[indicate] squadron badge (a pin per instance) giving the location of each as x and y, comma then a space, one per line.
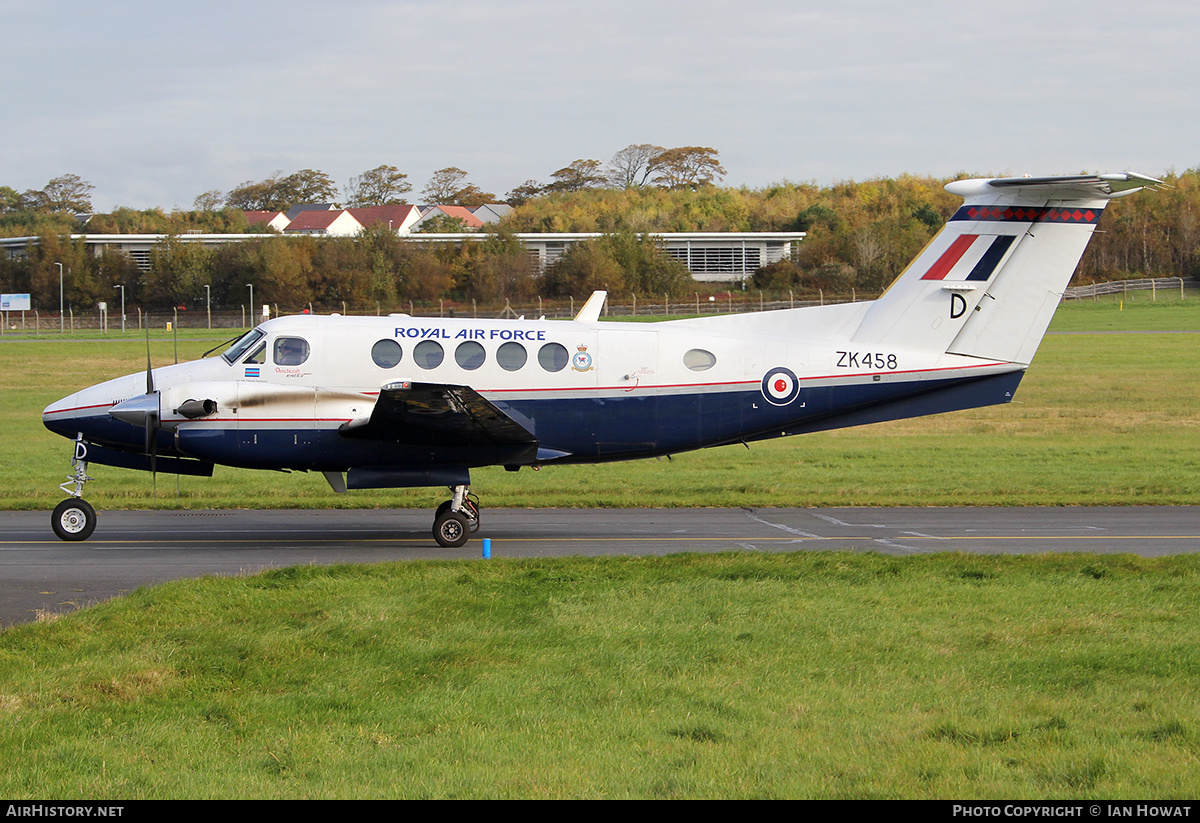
581, 361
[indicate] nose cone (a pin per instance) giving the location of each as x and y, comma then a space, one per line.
68, 415
87, 411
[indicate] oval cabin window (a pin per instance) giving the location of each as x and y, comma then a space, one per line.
511, 356
428, 354
553, 357
699, 360
469, 355
387, 354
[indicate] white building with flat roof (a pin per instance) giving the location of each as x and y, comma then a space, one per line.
710, 256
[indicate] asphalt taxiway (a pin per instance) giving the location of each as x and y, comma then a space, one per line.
39, 573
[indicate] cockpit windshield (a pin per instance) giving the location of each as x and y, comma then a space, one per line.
243, 343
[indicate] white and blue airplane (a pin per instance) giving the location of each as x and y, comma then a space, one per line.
399, 401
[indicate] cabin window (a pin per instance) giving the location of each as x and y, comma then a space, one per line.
242, 345
258, 355
511, 356
387, 354
553, 357
699, 360
290, 351
428, 354
469, 355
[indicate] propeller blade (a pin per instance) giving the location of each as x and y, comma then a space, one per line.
149, 369
152, 435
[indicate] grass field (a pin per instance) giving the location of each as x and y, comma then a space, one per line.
1099, 419
805, 675
813, 675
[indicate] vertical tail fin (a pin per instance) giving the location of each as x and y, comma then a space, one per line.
987, 285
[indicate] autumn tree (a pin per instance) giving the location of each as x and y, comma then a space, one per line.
279, 192
496, 268
631, 165
525, 192
448, 187
178, 271
380, 186
38, 274
210, 200
65, 193
622, 263
582, 174
686, 167
10, 200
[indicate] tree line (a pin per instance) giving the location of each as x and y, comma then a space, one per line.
377, 270
860, 235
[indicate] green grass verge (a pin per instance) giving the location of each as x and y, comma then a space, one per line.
812, 675
1099, 419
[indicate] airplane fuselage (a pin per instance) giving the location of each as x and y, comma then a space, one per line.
588, 392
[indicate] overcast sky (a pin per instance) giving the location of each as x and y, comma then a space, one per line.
156, 102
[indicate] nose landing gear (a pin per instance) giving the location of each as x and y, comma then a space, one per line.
74, 518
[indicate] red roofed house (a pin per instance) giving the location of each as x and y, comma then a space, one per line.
398, 218
331, 223
276, 220
470, 222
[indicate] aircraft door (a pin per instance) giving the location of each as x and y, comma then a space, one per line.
627, 366
277, 414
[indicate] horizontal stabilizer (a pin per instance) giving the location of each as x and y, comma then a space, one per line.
1071, 187
987, 285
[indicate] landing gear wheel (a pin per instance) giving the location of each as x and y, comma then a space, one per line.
451, 529
73, 519
470, 509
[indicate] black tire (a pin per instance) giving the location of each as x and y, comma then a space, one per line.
73, 519
470, 509
451, 530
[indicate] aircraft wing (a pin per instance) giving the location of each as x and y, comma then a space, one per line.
438, 413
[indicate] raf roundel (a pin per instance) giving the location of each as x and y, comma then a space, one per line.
780, 386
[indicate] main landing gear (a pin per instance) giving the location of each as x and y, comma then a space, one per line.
74, 518
456, 519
